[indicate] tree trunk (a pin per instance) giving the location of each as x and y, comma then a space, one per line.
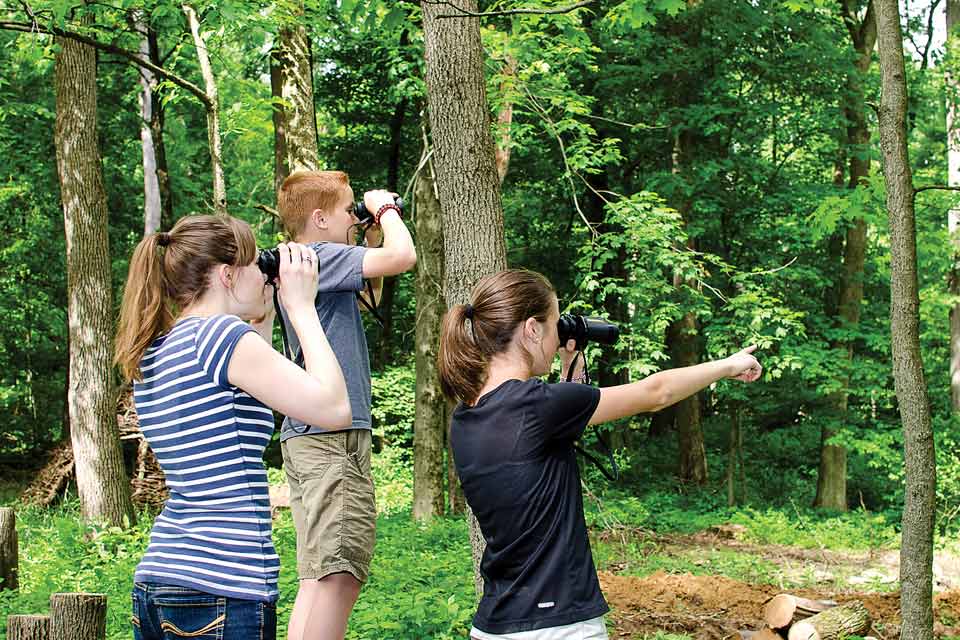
9, 550
101, 478
152, 209
28, 627
78, 616
832, 475
159, 148
953, 216
280, 168
296, 73
430, 423
683, 334
916, 549
213, 114
505, 120
467, 183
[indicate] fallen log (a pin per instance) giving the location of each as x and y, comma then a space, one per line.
766, 633
785, 609
849, 619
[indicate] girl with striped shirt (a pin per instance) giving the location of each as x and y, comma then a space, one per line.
205, 381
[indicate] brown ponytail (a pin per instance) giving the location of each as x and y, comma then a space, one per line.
170, 271
472, 334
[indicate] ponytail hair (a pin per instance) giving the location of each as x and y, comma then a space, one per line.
169, 272
473, 333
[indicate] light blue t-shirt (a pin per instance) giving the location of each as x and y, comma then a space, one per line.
341, 277
213, 534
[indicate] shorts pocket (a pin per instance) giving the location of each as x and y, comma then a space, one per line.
199, 617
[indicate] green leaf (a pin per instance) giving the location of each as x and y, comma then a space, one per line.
394, 19
671, 7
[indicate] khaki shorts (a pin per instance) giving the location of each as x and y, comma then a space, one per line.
332, 501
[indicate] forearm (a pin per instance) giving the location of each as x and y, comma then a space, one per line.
396, 237
678, 384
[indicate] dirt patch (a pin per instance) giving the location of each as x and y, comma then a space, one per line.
713, 607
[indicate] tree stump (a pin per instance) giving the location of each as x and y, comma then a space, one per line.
839, 622
28, 627
785, 609
9, 554
78, 616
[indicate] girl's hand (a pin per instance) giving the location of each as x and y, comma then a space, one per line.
299, 276
743, 366
567, 354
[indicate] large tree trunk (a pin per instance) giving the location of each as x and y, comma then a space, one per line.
101, 479
213, 113
467, 182
916, 550
430, 423
296, 75
953, 216
832, 476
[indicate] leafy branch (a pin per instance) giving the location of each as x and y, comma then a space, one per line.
463, 13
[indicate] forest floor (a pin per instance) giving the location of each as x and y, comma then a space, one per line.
712, 607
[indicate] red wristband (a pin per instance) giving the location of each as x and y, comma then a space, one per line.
383, 209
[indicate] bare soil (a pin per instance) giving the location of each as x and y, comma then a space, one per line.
714, 607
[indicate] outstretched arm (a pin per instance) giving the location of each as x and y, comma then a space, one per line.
665, 388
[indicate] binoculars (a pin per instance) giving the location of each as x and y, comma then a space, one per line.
585, 329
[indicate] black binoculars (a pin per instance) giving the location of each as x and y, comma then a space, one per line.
585, 329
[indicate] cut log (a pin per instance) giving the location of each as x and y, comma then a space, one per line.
765, 633
785, 609
850, 619
9, 553
28, 627
78, 616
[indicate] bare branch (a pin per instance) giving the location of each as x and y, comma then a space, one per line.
109, 48
463, 13
937, 187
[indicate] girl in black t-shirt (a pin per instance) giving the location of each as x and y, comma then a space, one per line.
512, 437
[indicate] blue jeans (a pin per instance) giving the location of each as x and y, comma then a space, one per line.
167, 612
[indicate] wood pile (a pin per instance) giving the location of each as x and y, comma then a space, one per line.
147, 483
790, 617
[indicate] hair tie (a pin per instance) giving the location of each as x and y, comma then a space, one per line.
468, 310
163, 238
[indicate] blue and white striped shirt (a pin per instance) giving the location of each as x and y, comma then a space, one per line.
213, 534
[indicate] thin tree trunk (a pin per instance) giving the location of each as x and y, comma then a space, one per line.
916, 550
953, 216
280, 168
101, 478
159, 148
213, 114
505, 120
467, 182
152, 210
430, 423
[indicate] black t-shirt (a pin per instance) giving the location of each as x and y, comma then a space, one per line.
514, 454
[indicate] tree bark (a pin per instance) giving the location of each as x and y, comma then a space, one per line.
832, 475
280, 168
159, 148
953, 216
430, 423
837, 623
9, 550
467, 182
78, 616
296, 73
213, 114
28, 627
152, 209
916, 550
101, 478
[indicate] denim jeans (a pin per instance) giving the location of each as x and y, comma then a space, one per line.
167, 612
